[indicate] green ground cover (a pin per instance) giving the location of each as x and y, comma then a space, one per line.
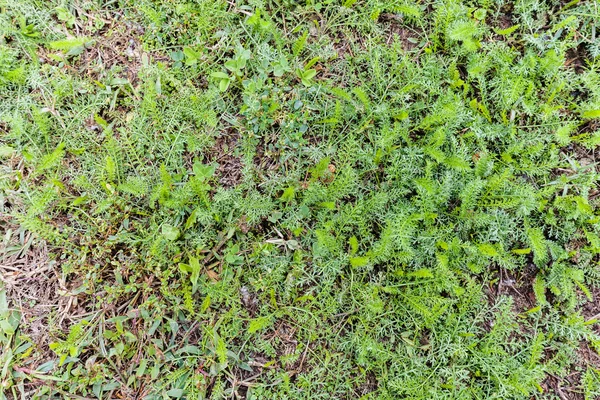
278, 199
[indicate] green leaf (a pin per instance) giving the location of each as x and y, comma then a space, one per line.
191, 56
462, 30
63, 14
563, 134
232, 65
189, 349
537, 241
312, 62
205, 304
258, 324
539, 289
141, 369
224, 85
465, 32
353, 241
118, 82
52, 159
421, 273
220, 75
358, 262
299, 44
281, 67
309, 73
591, 114
221, 350
507, 31
480, 14
110, 168
306, 76
488, 249
30, 31
3, 304
288, 194
585, 290
170, 232
194, 264
176, 393
409, 10
521, 251
575, 274
191, 220
457, 163
177, 55
202, 171
72, 47
185, 268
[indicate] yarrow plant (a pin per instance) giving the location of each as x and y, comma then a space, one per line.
299, 200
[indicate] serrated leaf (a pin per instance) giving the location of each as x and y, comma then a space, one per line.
521, 251
258, 324
299, 44
462, 30
110, 168
288, 194
410, 10
507, 31
353, 241
488, 249
52, 159
358, 262
221, 350
205, 304
539, 289
537, 241
421, 273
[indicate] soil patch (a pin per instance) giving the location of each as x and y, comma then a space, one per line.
230, 165
32, 286
395, 30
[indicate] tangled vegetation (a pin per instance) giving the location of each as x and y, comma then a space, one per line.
280, 199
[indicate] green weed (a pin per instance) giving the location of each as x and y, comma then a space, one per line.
303, 200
